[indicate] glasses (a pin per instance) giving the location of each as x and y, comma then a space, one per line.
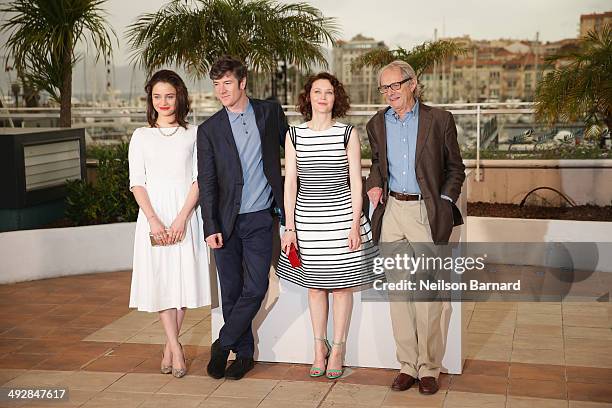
395, 86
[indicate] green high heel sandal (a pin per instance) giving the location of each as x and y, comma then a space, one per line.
318, 371
333, 373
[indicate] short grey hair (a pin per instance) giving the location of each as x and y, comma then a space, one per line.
407, 72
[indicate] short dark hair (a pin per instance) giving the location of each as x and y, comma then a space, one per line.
226, 64
182, 96
341, 98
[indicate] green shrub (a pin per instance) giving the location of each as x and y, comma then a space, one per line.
366, 151
109, 199
582, 151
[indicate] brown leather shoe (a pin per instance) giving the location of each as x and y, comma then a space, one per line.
428, 385
402, 382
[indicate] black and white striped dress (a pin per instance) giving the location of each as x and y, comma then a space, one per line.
323, 214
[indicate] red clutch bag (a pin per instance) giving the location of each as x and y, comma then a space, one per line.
293, 256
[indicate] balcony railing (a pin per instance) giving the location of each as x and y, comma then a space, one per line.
485, 130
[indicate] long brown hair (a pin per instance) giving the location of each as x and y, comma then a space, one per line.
182, 97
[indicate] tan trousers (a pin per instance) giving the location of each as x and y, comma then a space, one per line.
416, 325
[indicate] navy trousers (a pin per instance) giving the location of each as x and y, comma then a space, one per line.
243, 265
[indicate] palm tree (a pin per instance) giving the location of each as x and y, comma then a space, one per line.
580, 87
260, 32
43, 35
421, 57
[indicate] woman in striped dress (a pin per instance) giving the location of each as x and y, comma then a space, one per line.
324, 218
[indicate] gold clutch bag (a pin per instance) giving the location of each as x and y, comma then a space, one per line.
155, 242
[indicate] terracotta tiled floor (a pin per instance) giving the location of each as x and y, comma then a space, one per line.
77, 332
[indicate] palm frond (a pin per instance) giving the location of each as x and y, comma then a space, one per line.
421, 57
41, 33
377, 58
260, 32
174, 34
580, 86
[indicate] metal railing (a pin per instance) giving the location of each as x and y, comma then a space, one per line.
482, 127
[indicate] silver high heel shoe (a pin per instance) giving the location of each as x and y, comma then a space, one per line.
180, 372
165, 369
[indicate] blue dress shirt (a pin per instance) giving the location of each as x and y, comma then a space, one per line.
401, 150
256, 192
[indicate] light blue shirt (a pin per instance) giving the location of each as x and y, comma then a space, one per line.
401, 150
256, 192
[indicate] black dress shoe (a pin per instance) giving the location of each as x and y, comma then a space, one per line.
218, 360
239, 368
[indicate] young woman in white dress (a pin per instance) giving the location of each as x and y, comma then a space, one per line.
170, 270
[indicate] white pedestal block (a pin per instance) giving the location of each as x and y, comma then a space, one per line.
283, 332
